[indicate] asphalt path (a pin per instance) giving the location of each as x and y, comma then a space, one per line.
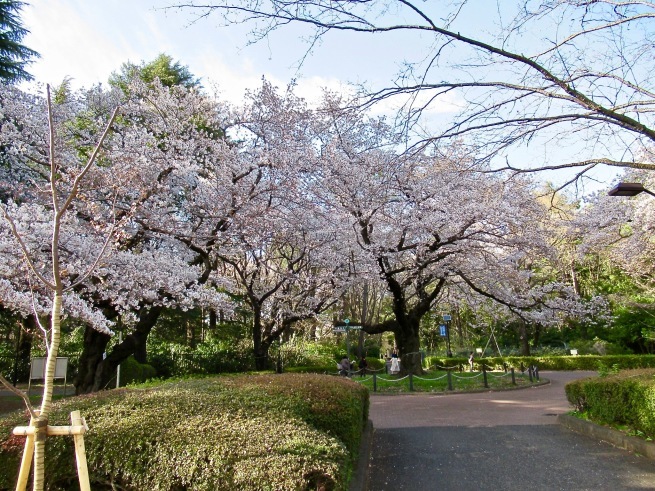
499, 441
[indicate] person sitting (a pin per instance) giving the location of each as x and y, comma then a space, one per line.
345, 367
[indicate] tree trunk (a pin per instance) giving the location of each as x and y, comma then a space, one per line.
25, 337
409, 347
41, 422
191, 334
523, 337
262, 356
95, 344
260, 348
94, 372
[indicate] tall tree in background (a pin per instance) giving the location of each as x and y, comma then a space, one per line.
170, 73
14, 56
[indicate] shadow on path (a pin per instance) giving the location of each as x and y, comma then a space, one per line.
494, 441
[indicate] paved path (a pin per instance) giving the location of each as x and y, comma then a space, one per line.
499, 441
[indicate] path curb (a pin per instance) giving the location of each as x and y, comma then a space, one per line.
359, 481
609, 435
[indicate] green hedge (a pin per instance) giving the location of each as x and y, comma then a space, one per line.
626, 398
582, 362
133, 372
249, 432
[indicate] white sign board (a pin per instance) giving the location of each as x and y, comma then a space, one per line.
37, 369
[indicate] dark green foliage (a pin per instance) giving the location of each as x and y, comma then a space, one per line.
626, 398
585, 362
283, 432
14, 56
169, 73
176, 360
133, 372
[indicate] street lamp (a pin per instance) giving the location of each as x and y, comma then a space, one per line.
629, 189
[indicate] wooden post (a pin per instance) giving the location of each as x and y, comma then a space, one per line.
80, 453
76, 430
26, 464
450, 380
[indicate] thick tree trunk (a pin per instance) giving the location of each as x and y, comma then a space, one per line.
95, 344
94, 372
262, 360
409, 347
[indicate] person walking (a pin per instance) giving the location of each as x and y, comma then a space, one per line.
363, 364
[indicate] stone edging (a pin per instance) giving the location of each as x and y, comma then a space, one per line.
609, 435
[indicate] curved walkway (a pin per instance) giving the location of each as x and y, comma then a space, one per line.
505, 441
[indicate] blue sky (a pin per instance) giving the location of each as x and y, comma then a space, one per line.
88, 39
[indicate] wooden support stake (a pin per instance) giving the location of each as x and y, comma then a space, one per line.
76, 430
26, 463
80, 452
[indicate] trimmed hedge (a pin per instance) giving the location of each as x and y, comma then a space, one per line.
582, 362
249, 432
626, 398
133, 372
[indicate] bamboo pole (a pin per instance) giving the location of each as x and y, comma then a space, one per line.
76, 430
26, 464
80, 453
51, 430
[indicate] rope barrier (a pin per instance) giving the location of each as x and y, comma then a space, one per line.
392, 380
499, 376
438, 367
468, 378
430, 379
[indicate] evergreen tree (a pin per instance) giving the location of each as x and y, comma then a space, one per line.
170, 73
14, 56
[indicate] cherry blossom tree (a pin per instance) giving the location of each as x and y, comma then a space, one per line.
151, 155
427, 222
27, 227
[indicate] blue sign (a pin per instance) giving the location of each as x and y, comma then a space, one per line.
446, 317
442, 330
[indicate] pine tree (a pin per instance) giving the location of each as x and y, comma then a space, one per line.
14, 56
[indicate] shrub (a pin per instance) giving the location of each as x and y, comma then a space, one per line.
583, 362
177, 360
625, 398
283, 432
133, 372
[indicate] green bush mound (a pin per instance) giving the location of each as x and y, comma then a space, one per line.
246, 432
626, 398
582, 362
133, 372
331, 366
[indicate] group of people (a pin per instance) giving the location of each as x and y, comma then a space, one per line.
347, 367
